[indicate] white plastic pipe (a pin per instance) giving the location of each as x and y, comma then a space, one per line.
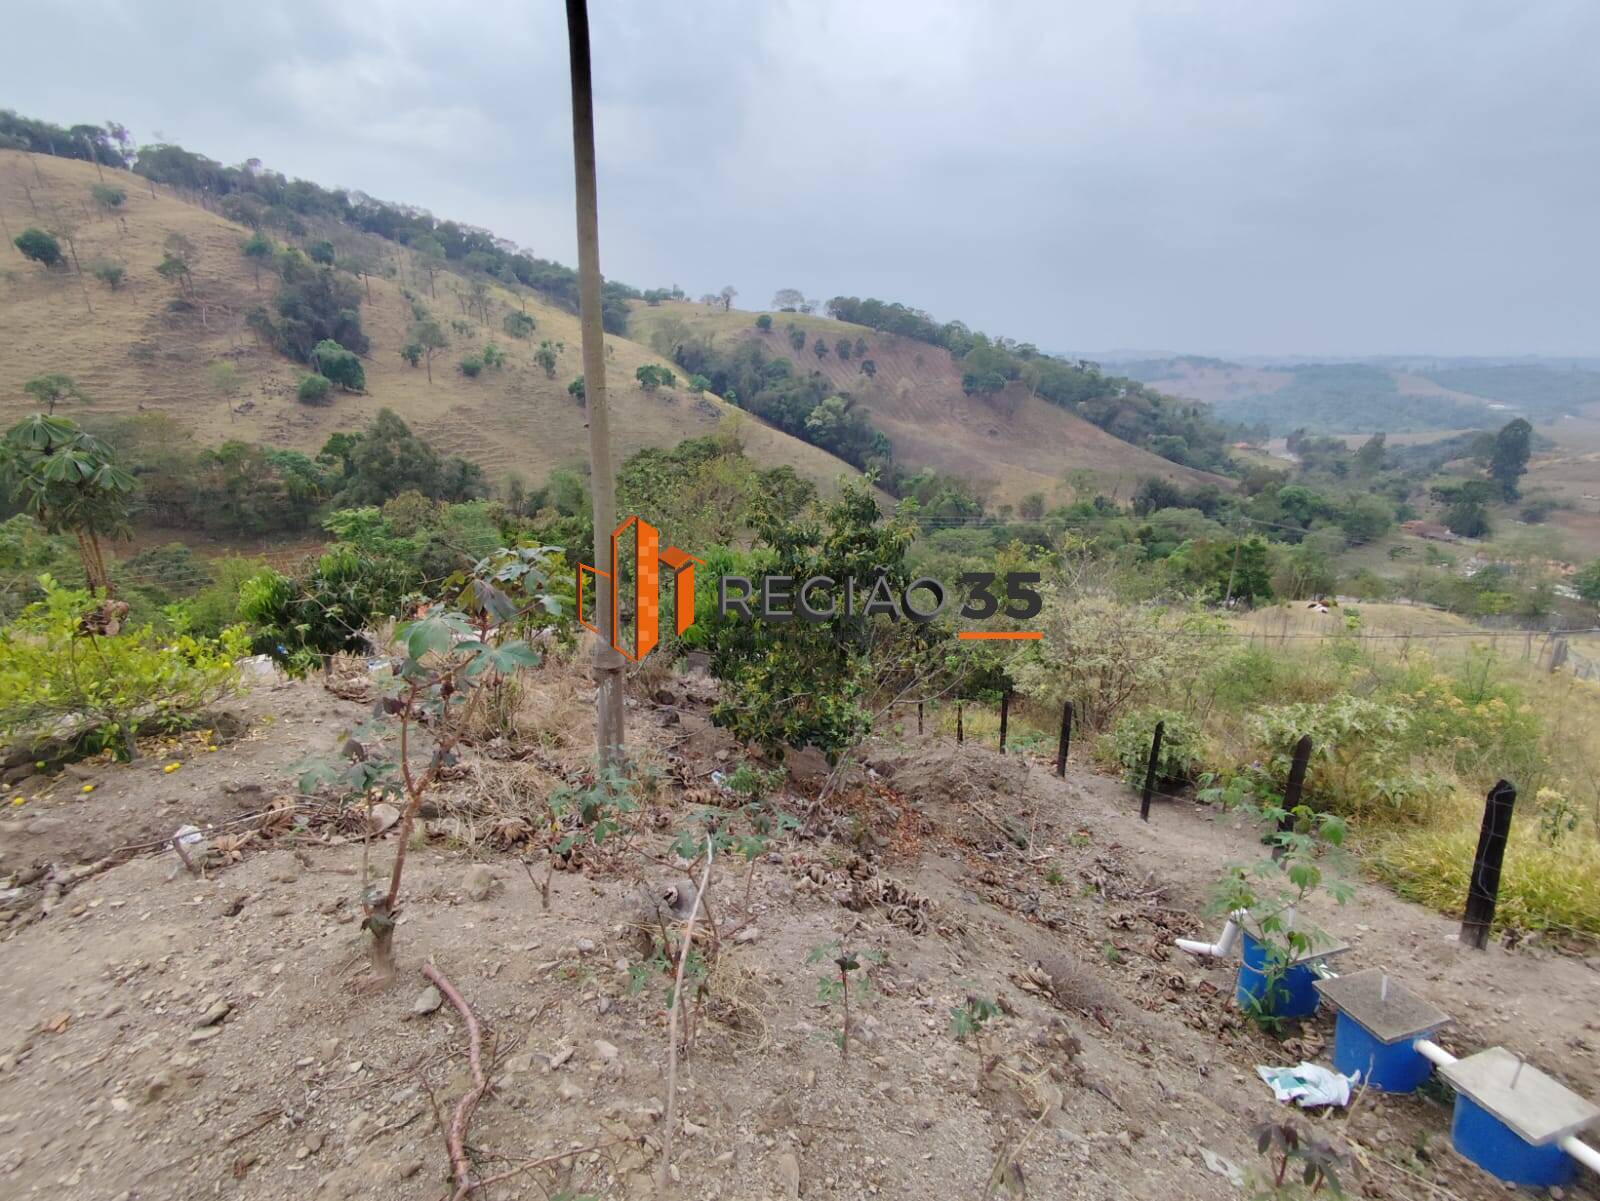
1581, 1151
1432, 1052
1230, 935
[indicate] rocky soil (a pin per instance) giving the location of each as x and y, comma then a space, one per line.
179, 1036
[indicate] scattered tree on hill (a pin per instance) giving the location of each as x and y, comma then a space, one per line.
321, 252
39, 246
868, 368
1031, 506
545, 357
315, 304
314, 389
764, 323
492, 356
1509, 462
797, 337
387, 459
109, 273
70, 483
177, 263
429, 256
861, 347
339, 366
471, 366
427, 339
517, 324
726, 296
258, 249
1466, 513
107, 197
698, 384
819, 348
788, 299
842, 349
51, 390
576, 390
651, 377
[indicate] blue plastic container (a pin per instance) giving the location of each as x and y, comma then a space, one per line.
1392, 1067
1502, 1152
1295, 995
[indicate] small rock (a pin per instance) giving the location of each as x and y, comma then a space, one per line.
479, 882
605, 1052
586, 946
570, 1091
428, 1001
204, 1033
748, 934
121, 1104
789, 1174
560, 1057
157, 1085
382, 817
214, 1009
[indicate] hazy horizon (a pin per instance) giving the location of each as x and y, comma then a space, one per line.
1293, 182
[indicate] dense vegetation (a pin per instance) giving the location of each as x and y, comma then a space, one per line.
1182, 431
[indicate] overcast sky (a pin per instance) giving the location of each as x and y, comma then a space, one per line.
1329, 178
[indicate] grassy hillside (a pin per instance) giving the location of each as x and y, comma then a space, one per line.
1013, 443
133, 353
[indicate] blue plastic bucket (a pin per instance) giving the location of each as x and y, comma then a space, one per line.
1392, 1067
1294, 995
1502, 1152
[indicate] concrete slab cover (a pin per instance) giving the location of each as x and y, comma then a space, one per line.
1540, 1110
1402, 1015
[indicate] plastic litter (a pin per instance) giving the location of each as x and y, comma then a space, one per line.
1309, 1084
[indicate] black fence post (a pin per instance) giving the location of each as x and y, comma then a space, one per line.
1484, 889
959, 733
919, 719
1066, 739
1292, 790
1150, 772
1005, 713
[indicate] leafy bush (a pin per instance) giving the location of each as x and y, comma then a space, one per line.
1183, 747
104, 687
39, 246
314, 389
517, 324
110, 274
471, 366
324, 609
1361, 755
764, 322
339, 366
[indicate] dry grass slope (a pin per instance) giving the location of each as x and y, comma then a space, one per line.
1016, 443
133, 354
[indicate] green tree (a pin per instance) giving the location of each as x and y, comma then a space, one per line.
651, 377
70, 483
764, 323
576, 390
339, 366
1369, 458
429, 338
109, 273
321, 252
258, 248
313, 389
179, 256
429, 256
51, 390
1587, 582
39, 246
1509, 462
545, 357
517, 324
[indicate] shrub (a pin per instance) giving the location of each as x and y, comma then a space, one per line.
517, 324
339, 366
102, 688
471, 366
1183, 747
764, 322
110, 274
39, 246
576, 390
326, 608
314, 389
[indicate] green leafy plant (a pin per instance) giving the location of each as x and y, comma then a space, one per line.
1183, 747
747, 829
313, 389
39, 246
451, 660
517, 324
1273, 890
832, 988
70, 666
1283, 1144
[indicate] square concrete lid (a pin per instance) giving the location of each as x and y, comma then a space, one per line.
1401, 1015
1323, 945
1539, 1109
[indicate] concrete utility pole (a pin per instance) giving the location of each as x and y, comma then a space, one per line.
608, 663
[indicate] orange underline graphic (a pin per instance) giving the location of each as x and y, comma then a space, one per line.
1008, 635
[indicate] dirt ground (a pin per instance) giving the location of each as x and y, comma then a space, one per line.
173, 1036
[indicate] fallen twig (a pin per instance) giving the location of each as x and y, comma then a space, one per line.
456, 1135
672, 1021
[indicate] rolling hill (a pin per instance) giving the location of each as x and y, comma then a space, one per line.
135, 353
1012, 444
